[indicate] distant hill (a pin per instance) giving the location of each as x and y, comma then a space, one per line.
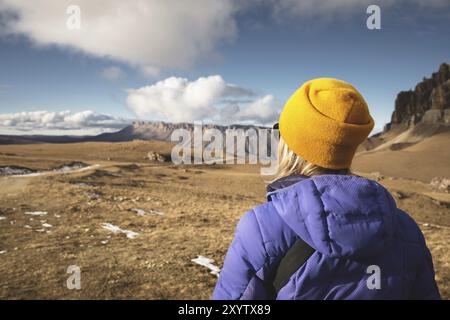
159, 131
32, 139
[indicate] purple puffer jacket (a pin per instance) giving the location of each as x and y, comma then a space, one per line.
352, 222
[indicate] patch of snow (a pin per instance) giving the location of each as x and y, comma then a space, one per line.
104, 242
82, 184
139, 212
46, 225
142, 213
40, 230
27, 226
10, 171
64, 169
75, 166
116, 229
36, 213
208, 263
430, 225
2, 218
156, 212
3, 251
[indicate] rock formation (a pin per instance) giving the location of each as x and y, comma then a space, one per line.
428, 103
154, 156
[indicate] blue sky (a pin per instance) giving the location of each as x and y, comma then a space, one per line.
261, 52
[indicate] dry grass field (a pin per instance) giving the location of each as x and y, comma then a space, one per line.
178, 213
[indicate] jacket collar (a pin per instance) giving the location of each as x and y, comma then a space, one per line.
282, 183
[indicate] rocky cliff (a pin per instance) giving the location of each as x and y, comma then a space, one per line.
428, 103
161, 131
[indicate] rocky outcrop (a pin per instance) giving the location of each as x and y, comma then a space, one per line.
428, 103
162, 131
154, 156
440, 184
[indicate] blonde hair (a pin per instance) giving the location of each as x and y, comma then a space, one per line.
289, 163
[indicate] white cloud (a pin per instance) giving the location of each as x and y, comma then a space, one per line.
153, 35
264, 110
63, 120
149, 34
112, 73
180, 100
177, 99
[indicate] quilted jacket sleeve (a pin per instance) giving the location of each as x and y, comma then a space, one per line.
246, 256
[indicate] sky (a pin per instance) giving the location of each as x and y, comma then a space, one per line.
84, 67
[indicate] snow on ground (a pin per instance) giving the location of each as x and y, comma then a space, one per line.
116, 229
36, 213
141, 212
29, 173
8, 171
208, 263
2, 218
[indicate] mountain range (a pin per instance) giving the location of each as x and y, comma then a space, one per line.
418, 114
139, 130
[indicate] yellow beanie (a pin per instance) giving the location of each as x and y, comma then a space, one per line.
324, 121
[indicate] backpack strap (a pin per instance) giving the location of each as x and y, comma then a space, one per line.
295, 257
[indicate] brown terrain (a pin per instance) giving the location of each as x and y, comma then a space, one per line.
410, 156
52, 216
190, 211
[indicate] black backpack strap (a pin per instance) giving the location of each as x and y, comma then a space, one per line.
295, 257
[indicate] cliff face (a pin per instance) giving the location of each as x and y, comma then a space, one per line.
428, 103
162, 131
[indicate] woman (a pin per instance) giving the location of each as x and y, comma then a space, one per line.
325, 233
